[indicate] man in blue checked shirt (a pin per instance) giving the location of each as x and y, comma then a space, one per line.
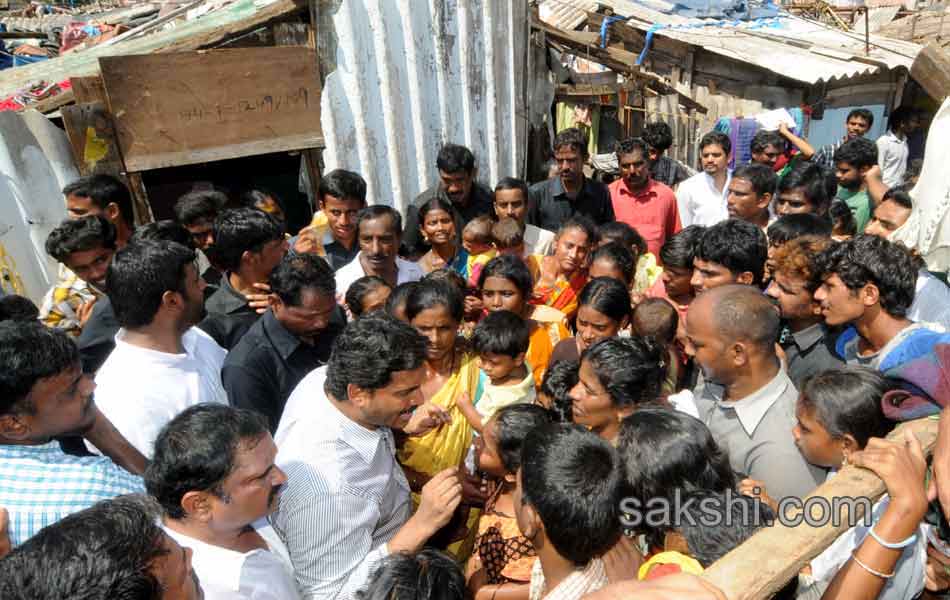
44, 394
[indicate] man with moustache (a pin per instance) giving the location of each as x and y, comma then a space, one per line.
291, 339
702, 198
213, 474
161, 364
642, 203
347, 504
85, 247
747, 399
378, 230
807, 342
555, 200
457, 185
332, 234
44, 394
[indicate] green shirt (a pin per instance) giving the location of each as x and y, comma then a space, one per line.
860, 205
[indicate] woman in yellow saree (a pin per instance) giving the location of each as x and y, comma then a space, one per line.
435, 309
505, 284
560, 278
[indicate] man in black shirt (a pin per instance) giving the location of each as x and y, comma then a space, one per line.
288, 341
457, 185
248, 244
555, 200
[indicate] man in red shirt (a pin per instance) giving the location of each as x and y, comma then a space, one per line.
646, 205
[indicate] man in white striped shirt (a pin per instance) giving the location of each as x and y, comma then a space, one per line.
347, 505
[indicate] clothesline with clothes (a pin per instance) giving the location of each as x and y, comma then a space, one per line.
741, 130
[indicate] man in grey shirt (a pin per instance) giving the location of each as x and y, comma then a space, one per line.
747, 400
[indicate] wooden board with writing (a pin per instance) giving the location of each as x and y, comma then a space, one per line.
193, 107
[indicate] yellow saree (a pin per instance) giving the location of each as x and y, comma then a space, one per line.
447, 446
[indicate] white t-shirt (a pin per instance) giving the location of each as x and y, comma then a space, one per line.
353, 270
141, 390
931, 301
699, 202
892, 153
229, 575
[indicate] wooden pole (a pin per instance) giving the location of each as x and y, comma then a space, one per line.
773, 556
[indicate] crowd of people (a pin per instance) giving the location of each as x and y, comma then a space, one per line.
479, 397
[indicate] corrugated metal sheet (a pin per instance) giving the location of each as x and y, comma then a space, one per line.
36, 163
795, 48
414, 74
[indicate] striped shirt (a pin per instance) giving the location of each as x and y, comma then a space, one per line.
346, 495
39, 485
576, 585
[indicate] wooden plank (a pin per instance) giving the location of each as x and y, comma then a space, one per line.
779, 552
931, 69
92, 138
291, 34
140, 204
88, 89
188, 108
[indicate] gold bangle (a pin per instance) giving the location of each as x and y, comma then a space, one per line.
854, 557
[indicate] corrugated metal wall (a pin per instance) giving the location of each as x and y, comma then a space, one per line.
411, 75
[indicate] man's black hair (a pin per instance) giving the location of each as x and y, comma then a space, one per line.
763, 139
359, 289
139, 276
103, 190
512, 183
630, 369
658, 135
18, 308
737, 245
843, 221
501, 332
107, 551
198, 450
431, 294
899, 116
376, 211
344, 185
718, 138
859, 153
713, 523
426, 575
869, 259
631, 145
241, 230
511, 268
847, 401
762, 178
622, 233
573, 138
898, 197
572, 479
298, 272
165, 230
455, 159
619, 255
30, 351
862, 113
512, 425
788, 227
199, 205
680, 249
369, 351
559, 379
79, 235
812, 178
